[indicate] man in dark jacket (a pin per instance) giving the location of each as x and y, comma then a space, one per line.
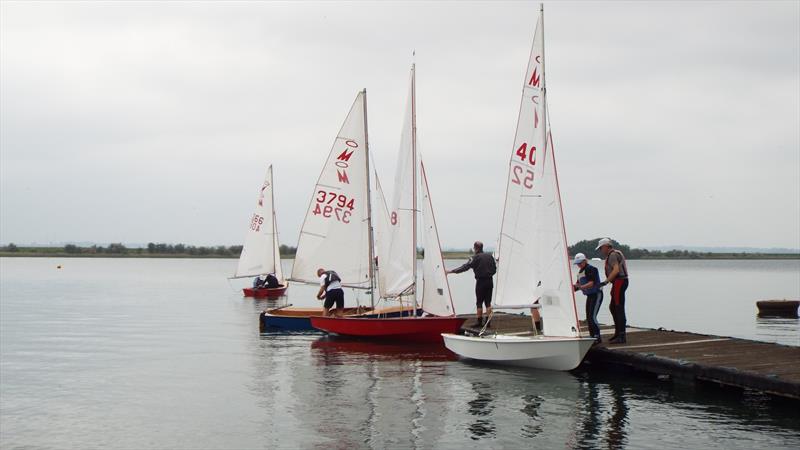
589, 284
484, 267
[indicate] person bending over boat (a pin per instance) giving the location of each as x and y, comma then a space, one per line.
484, 267
617, 276
330, 289
268, 281
589, 284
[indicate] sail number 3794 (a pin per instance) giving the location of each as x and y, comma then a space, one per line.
333, 205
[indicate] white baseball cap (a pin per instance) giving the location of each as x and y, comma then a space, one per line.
579, 258
604, 241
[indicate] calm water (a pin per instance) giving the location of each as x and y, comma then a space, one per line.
128, 353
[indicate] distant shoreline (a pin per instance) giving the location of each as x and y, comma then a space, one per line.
446, 255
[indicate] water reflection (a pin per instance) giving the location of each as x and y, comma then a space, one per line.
532, 404
588, 432
481, 407
615, 432
778, 329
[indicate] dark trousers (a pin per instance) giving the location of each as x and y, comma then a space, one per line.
617, 305
593, 302
483, 292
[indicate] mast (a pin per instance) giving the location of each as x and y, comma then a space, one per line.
369, 210
276, 257
414, 176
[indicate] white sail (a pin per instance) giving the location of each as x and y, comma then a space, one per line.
335, 234
276, 248
436, 298
533, 261
260, 254
380, 220
397, 270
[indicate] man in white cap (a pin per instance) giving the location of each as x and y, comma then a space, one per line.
617, 276
589, 284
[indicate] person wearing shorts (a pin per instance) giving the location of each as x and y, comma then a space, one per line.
330, 290
484, 267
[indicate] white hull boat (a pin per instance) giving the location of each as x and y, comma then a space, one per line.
537, 352
534, 270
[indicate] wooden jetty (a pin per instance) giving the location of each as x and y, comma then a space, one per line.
762, 366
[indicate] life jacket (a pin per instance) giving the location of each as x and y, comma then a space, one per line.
330, 277
623, 263
585, 279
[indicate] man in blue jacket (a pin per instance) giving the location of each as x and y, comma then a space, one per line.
589, 284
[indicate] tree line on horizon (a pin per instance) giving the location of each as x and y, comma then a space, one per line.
156, 249
587, 247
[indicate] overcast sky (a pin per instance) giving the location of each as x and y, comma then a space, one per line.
673, 123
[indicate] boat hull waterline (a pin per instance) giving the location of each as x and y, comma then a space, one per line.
299, 319
416, 329
265, 292
538, 352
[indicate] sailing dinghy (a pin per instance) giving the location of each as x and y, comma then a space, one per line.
397, 257
260, 252
337, 231
534, 268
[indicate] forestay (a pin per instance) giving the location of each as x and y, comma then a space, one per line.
260, 253
436, 298
533, 261
335, 234
397, 265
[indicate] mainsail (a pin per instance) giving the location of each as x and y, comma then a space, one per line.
397, 266
336, 231
436, 298
533, 261
260, 253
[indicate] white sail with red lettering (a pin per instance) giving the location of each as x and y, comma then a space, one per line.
436, 298
397, 265
260, 252
335, 234
534, 265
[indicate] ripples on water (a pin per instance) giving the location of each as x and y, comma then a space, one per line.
164, 354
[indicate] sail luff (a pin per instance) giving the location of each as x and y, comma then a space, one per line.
370, 231
414, 176
276, 248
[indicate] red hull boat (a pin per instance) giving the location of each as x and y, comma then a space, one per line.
408, 329
265, 292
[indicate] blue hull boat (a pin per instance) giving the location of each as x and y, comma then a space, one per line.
299, 319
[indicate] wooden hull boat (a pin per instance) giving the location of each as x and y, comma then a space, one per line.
299, 319
416, 329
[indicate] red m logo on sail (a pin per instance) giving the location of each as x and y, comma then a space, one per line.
535, 78
345, 156
342, 176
